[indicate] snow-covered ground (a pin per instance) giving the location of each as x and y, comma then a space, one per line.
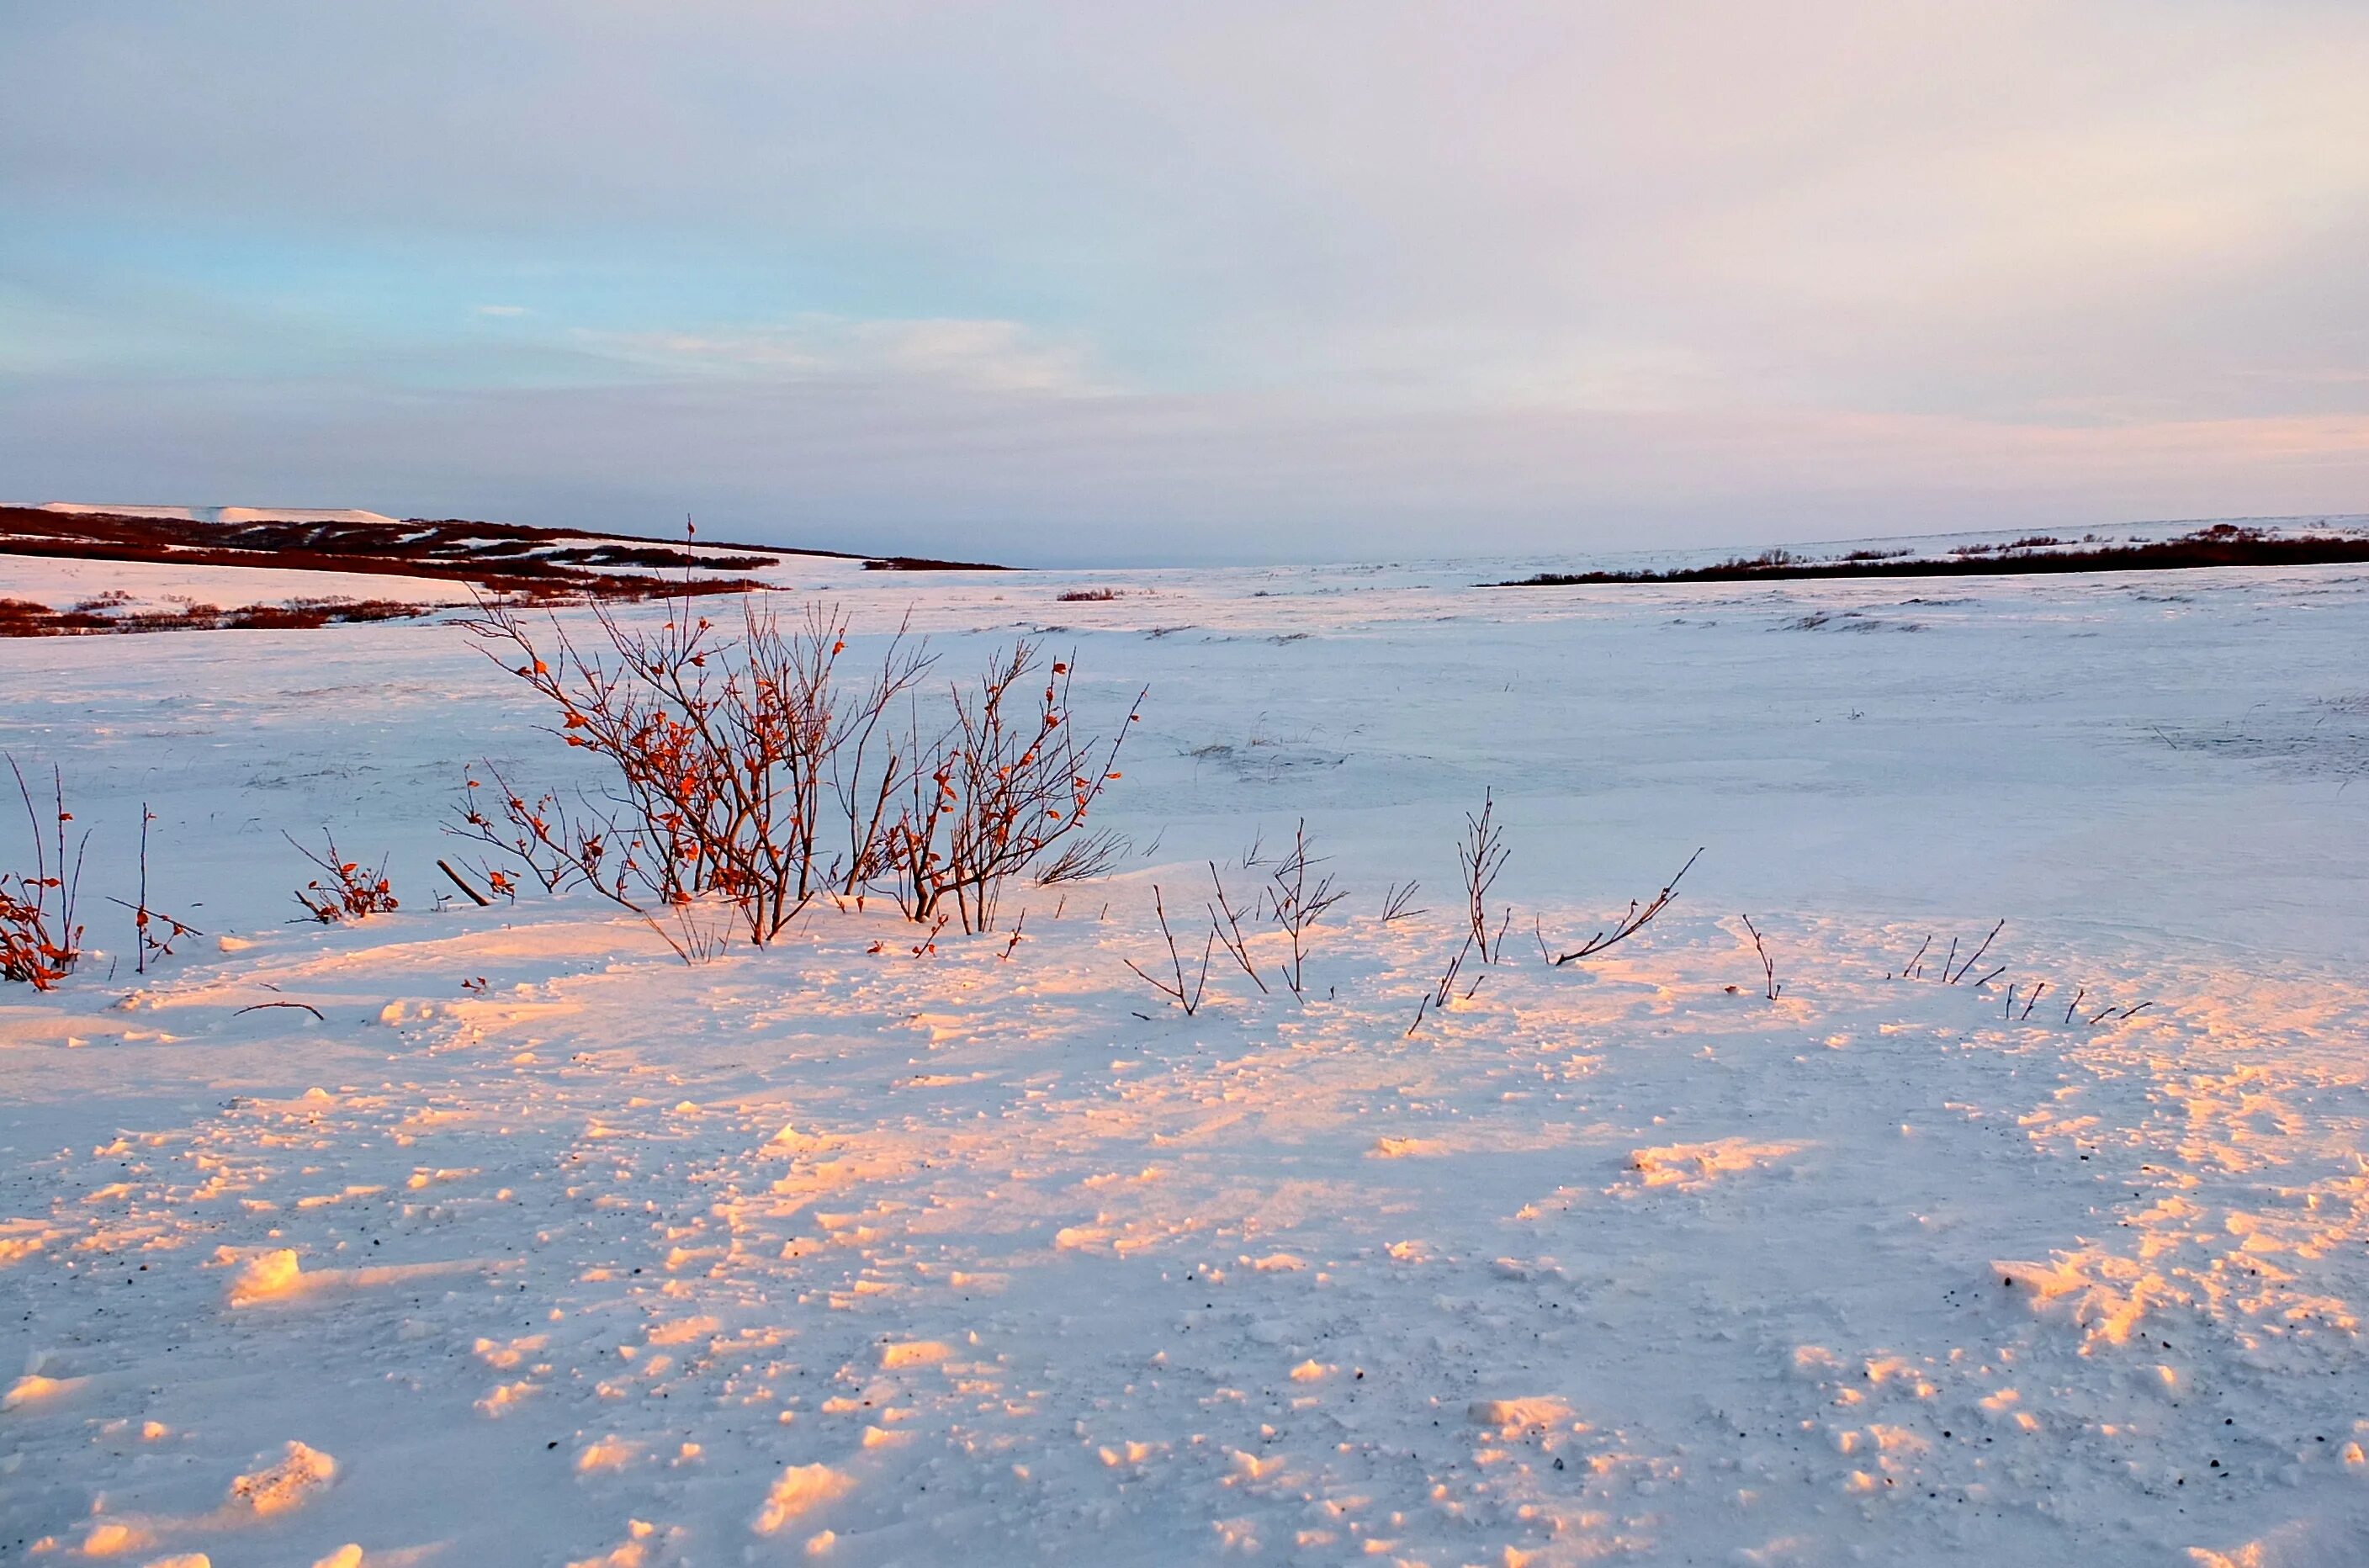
540, 1247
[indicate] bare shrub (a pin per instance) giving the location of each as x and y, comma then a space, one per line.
746, 770
1482, 854
1298, 904
1087, 595
40, 940
350, 892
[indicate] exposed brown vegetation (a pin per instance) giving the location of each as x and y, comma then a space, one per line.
24, 618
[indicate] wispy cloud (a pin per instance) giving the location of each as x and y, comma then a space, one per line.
502, 310
993, 355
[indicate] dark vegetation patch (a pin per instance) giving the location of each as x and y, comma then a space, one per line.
504, 558
924, 564
507, 559
2223, 544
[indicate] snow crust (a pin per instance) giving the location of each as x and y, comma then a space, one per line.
543, 1247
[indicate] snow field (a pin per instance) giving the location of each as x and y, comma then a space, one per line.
829, 1255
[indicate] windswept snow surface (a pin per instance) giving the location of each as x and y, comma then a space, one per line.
540, 1247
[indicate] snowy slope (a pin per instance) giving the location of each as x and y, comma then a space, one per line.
548, 1248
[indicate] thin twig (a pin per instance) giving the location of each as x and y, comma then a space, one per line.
261, 1005
1908, 970
1770, 988
1225, 921
127, 904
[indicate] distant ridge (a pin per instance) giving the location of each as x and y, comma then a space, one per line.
511, 558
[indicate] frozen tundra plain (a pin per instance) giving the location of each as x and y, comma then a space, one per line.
827, 1255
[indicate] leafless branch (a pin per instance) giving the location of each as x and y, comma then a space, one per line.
1225, 920
1639, 917
1396, 901
1188, 997
1770, 986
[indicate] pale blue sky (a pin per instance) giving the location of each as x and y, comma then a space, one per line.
1121, 283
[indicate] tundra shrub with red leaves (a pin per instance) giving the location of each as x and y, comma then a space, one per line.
40, 940
743, 765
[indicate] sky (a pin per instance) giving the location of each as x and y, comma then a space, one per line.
1126, 283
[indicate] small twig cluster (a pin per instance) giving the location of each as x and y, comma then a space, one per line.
1443, 990
1296, 898
1002, 785
1176, 988
1955, 971
2094, 1019
349, 892
1398, 902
